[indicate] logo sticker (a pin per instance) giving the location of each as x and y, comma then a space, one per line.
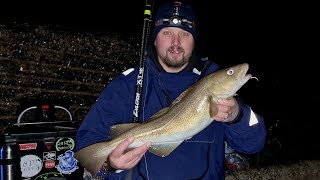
49, 164
50, 175
28, 146
30, 165
67, 163
49, 155
65, 144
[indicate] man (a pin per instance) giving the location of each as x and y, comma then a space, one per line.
172, 65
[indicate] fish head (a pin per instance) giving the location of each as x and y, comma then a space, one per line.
226, 82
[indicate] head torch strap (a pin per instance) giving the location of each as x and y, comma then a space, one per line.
177, 5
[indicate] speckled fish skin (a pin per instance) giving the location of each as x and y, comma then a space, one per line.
186, 116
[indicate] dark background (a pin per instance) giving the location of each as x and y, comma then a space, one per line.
272, 37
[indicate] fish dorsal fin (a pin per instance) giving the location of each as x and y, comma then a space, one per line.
159, 113
183, 94
118, 129
166, 109
164, 149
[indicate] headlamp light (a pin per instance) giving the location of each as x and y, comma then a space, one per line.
175, 20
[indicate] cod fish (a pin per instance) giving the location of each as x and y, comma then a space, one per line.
168, 128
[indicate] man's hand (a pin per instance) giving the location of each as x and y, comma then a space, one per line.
228, 110
122, 159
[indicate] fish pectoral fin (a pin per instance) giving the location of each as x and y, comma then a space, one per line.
164, 149
118, 129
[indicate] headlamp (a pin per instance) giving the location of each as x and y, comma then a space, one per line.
176, 21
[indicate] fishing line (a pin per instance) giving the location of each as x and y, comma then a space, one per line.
145, 161
174, 142
145, 96
144, 105
207, 142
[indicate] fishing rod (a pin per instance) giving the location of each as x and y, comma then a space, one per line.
145, 35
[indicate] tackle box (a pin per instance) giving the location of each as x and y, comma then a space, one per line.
41, 150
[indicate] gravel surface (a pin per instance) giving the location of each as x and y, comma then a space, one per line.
301, 170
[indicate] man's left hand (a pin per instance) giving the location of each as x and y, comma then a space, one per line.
228, 110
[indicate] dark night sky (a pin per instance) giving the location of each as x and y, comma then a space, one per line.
230, 32
267, 35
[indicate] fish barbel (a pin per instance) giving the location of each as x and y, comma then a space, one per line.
189, 114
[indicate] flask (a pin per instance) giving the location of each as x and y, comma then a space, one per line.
9, 160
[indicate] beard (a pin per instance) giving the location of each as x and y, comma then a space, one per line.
175, 62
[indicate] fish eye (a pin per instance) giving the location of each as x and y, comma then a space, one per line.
230, 72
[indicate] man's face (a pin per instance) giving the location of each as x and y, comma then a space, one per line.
174, 47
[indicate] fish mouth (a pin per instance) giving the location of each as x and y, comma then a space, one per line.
243, 76
245, 79
240, 83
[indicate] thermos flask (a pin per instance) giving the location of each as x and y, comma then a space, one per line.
9, 160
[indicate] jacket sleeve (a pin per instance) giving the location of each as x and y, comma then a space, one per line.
248, 135
113, 106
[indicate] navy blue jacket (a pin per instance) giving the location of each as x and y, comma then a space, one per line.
201, 157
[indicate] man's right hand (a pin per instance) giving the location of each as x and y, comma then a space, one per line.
122, 159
